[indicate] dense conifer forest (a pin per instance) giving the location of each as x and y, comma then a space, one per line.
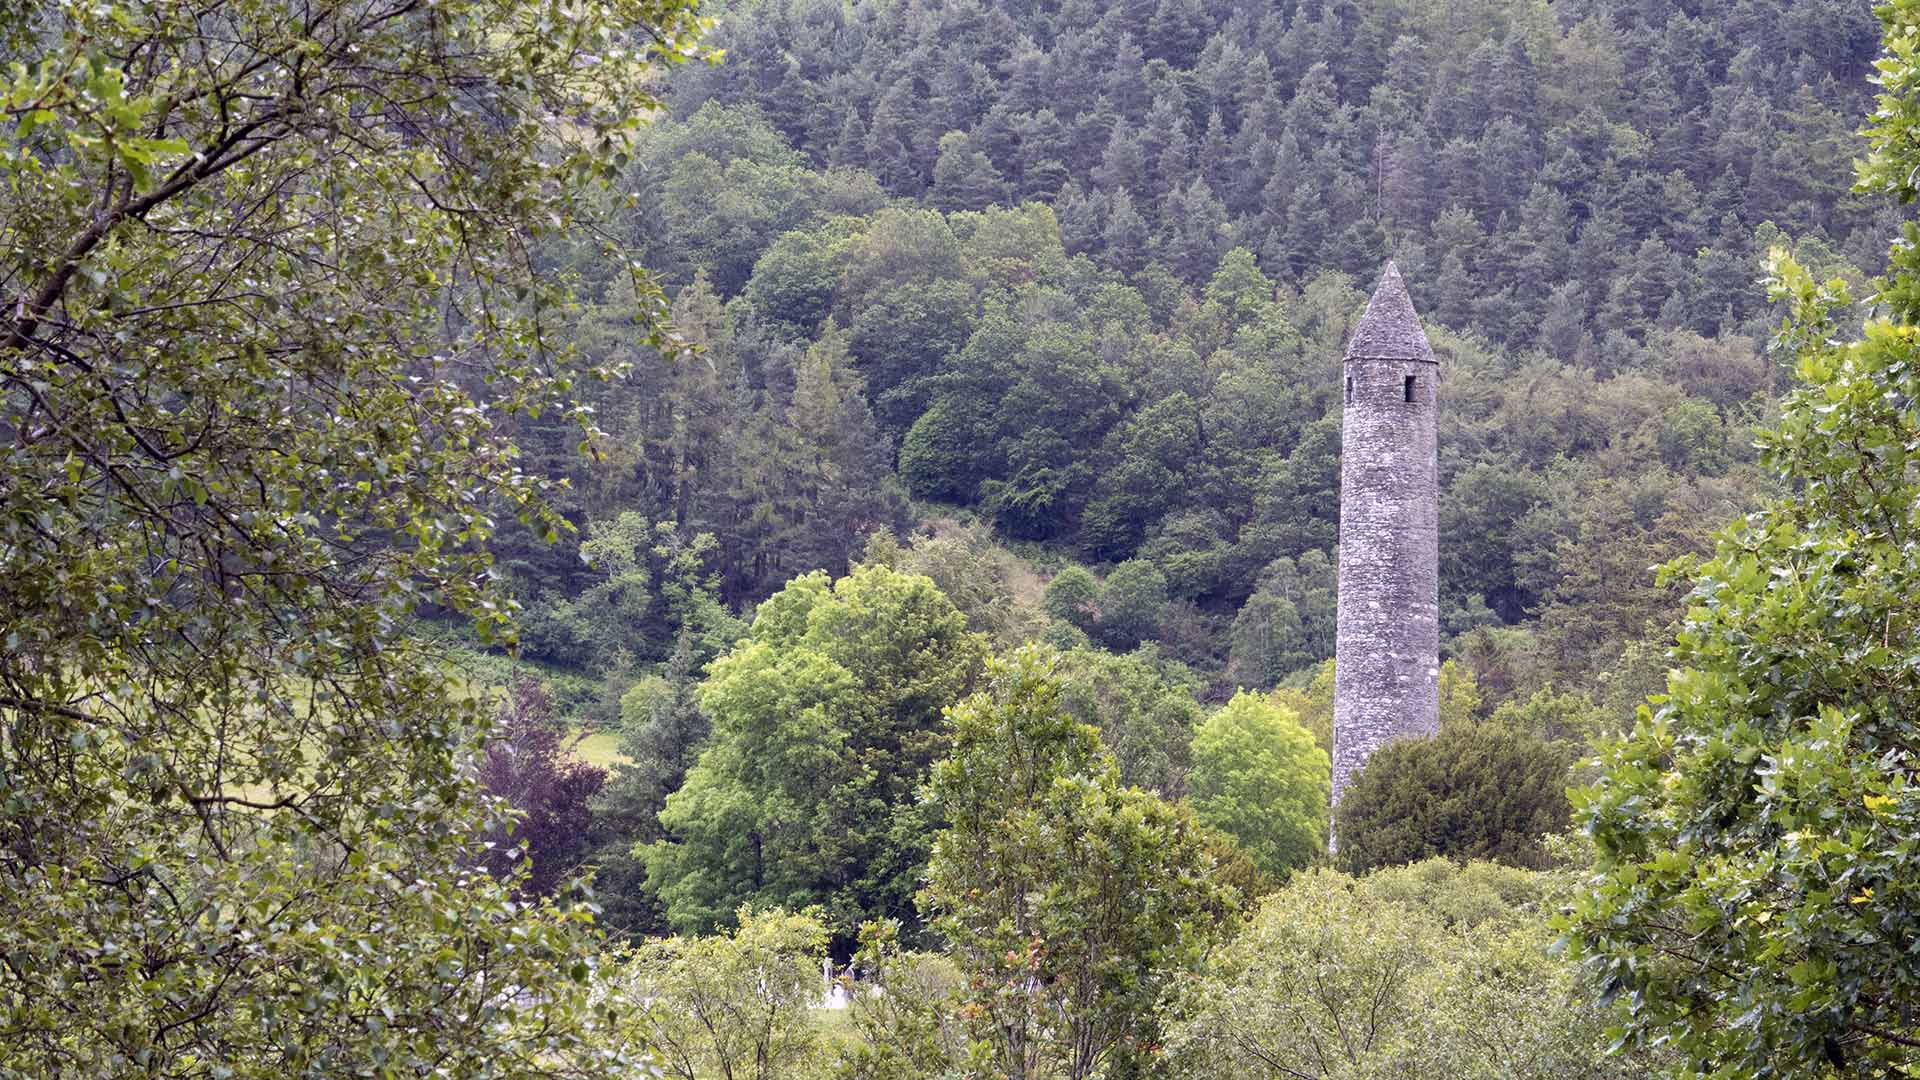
528, 529
1082, 275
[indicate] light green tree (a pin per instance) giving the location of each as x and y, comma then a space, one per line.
825, 718
1071, 904
1430, 970
267, 289
1310, 697
1757, 831
1569, 719
653, 590
736, 1005
1259, 777
1311, 988
906, 1012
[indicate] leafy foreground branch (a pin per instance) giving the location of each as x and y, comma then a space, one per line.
267, 297
1757, 832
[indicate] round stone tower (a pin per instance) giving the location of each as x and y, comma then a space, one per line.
1387, 678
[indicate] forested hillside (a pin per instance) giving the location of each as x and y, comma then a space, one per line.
1545, 173
1047, 302
1085, 272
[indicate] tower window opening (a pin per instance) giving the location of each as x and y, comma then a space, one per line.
1349, 388
1409, 388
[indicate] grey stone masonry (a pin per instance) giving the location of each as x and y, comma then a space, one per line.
1387, 678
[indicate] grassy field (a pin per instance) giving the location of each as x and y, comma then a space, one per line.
602, 748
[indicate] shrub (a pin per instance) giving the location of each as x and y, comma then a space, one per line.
1472, 792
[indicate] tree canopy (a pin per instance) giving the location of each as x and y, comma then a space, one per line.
826, 717
270, 299
1070, 903
1434, 969
1259, 777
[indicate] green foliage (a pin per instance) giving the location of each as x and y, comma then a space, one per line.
764, 445
1144, 708
1132, 602
1431, 970
661, 728
1131, 364
978, 575
937, 456
1605, 167
735, 1004
1470, 792
1071, 904
1259, 778
712, 194
1460, 701
826, 717
1754, 832
1137, 420
1288, 622
904, 1011
1070, 597
272, 305
963, 177
1309, 696
792, 284
836, 459
651, 586
1569, 720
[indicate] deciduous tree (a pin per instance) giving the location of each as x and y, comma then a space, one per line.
1259, 777
1435, 969
527, 763
269, 289
1070, 903
826, 717
736, 1005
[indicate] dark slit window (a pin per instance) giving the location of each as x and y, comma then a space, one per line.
1349, 388
1409, 388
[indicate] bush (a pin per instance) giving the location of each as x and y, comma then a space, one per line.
1432, 970
1472, 792
905, 1012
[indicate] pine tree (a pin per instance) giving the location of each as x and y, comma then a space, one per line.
964, 178
1196, 232
1123, 165
1125, 237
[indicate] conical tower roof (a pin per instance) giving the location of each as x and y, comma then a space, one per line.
1390, 330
